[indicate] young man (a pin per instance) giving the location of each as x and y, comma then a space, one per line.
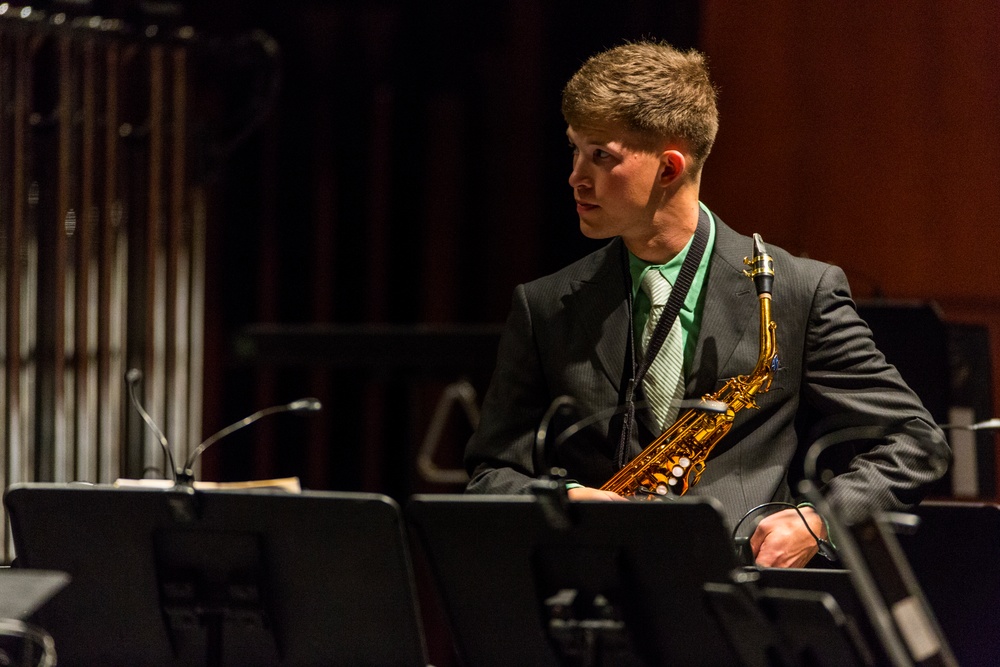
641, 121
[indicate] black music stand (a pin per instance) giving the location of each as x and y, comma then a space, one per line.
850, 620
24, 591
220, 577
529, 582
785, 627
953, 553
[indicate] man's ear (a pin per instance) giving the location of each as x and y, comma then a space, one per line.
673, 165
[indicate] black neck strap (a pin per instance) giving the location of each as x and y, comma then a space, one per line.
672, 308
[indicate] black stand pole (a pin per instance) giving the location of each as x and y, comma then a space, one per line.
214, 629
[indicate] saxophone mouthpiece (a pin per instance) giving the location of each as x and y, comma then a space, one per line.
762, 267
758, 245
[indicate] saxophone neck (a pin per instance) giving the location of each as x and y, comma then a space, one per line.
768, 337
762, 272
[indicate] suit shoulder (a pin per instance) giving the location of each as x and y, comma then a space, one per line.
797, 279
590, 268
807, 281
804, 272
803, 266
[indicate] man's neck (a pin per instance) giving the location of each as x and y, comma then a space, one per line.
668, 233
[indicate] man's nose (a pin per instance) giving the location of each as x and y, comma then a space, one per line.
576, 176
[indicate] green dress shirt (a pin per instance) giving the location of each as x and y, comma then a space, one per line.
691, 309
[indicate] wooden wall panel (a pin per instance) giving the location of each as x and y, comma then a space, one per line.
867, 135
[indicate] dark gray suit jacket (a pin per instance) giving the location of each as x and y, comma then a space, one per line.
567, 334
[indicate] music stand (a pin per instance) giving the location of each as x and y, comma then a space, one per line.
780, 626
24, 591
954, 553
837, 584
526, 582
21, 593
220, 577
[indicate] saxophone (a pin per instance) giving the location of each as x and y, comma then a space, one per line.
674, 462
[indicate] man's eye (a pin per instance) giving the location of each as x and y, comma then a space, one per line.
600, 155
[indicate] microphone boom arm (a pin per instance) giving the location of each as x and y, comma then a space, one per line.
185, 477
132, 378
301, 405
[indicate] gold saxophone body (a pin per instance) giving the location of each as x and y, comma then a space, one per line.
674, 462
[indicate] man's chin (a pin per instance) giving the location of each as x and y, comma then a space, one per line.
592, 232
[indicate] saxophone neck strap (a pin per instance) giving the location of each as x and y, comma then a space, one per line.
671, 310
677, 296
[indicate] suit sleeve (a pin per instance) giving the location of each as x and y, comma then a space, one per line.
863, 401
499, 455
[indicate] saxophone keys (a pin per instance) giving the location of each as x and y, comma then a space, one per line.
663, 483
672, 479
680, 469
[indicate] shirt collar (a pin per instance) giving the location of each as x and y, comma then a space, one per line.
638, 267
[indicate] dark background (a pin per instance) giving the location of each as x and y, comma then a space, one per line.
393, 169
403, 165
411, 171
382, 174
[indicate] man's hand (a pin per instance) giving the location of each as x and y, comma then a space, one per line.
781, 539
590, 493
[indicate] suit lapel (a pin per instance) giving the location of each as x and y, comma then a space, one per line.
605, 316
609, 322
730, 306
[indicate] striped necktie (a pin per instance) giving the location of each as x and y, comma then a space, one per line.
664, 381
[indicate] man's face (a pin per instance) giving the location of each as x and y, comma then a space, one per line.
615, 187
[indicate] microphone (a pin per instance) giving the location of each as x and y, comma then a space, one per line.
301, 405
132, 378
988, 425
185, 476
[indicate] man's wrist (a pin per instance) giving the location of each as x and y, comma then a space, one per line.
826, 545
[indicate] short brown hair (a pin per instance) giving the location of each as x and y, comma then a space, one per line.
651, 89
